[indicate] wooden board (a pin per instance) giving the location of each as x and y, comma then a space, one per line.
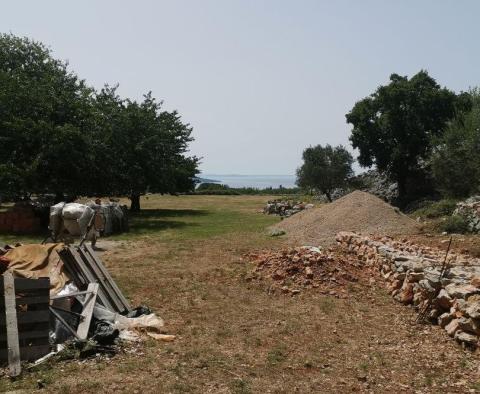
84, 267
13, 346
87, 312
115, 288
30, 304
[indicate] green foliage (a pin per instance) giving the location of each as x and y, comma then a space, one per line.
225, 190
211, 186
45, 117
454, 224
60, 136
145, 146
393, 128
217, 192
456, 158
325, 169
436, 209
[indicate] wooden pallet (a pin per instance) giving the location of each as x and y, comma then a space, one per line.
84, 267
24, 320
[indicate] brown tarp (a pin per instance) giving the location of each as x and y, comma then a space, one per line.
36, 261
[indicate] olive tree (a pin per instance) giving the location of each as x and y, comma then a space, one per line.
324, 169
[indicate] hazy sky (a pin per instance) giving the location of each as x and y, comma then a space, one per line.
258, 80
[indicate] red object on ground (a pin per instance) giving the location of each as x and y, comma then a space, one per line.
4, 262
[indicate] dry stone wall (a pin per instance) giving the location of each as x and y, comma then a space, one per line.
413, 276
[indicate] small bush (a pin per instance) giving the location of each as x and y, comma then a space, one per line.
211, 186
226, 192
454, 224
436, 209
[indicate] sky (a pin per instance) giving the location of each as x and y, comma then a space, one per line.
258, 80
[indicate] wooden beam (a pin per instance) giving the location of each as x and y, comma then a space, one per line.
12, 326
87, 312
118, 293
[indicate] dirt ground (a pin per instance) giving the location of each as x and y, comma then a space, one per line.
183, 258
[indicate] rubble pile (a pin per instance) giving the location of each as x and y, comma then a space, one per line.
470, 210
285, 208
306, 267
413, 273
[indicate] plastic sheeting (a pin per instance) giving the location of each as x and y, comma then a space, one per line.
74, 217
129, 326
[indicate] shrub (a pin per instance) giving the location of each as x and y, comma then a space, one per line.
436, 209
211, 186
454, 224
455, 160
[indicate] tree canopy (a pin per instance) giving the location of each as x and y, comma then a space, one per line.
393, 128
455, 159
325, 169
60, 136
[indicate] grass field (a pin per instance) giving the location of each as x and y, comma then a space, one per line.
183, 258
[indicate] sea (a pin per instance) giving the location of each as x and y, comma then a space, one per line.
256, 181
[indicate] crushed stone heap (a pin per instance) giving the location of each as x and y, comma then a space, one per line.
413, 276
357, 211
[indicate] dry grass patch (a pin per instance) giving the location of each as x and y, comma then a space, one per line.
234, 337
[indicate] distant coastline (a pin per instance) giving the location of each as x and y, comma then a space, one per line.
256, 181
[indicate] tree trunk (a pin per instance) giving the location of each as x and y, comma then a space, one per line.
135, 205
329, 197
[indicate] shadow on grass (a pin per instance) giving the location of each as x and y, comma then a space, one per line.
150, 220
11, 239
167, 213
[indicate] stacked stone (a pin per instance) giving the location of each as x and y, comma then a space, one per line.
285, 208
413, 278
470, 210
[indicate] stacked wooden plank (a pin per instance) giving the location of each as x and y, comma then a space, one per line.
24, 318
85, 267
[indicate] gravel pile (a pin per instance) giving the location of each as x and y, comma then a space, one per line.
358, 211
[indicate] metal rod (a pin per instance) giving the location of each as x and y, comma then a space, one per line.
421, 316
60, 319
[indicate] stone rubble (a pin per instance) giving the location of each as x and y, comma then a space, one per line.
292, 269
470, 210
285, 208
413, 276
